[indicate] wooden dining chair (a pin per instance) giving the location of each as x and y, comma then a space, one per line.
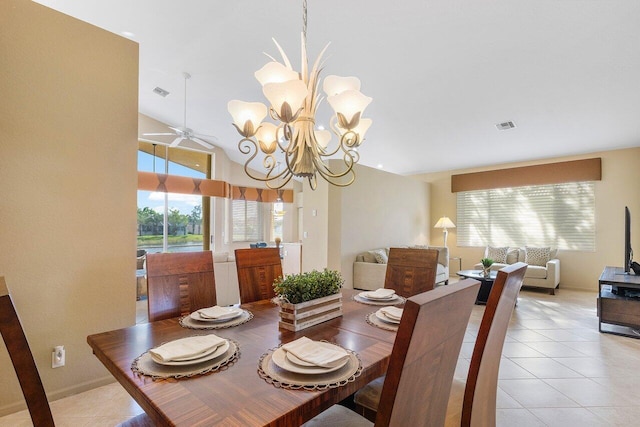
423, 361
179, 283
474, 403
485, 361
257, 269
411, 271
22, 360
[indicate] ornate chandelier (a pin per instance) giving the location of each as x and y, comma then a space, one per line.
294, 98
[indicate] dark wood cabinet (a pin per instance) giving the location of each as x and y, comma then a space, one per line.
619, 309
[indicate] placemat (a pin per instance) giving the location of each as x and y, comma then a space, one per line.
282, 378
372, 319
144, 365
395, 301
188, 322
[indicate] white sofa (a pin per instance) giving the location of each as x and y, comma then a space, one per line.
538, 276
369, 274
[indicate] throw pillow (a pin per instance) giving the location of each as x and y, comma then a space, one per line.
536, 256
380, 255
497, 254
553, 254
512, 256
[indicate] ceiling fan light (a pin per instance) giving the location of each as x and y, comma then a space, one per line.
244, 113
275, 72
334, 85
286, 98
349, 103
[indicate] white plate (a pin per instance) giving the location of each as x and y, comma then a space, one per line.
365, 295
380, 315
279, 357
220, 350
196, 316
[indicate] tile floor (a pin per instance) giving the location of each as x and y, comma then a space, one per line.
557, 370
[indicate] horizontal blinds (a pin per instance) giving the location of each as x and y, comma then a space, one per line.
559, 215
246, 221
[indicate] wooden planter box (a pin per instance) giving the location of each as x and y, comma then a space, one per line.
295, 317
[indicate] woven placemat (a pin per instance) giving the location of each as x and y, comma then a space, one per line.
372, 319
144, 365
394, 301
188, 322
282, 378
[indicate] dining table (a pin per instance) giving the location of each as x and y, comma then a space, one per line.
237, 395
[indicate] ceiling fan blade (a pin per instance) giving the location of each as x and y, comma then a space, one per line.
206, 136
203, 143
176, 141
157, 134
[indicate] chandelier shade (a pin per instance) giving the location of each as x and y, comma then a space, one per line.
293, 101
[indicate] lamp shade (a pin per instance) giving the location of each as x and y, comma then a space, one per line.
334, 85
267, 136
243, 112
292, 92
348, 103
275, 72
444, 222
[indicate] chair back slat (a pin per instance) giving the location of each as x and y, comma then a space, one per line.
22, 360
179, 283
411, 271
424, 356
479, 404
257, 270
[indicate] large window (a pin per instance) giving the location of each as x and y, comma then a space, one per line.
557, 215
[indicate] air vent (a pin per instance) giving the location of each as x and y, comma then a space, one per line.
506, 125
158, 90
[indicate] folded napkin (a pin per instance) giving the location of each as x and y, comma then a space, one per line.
186, 348
393, 313
381, 293
316, 353
217, 312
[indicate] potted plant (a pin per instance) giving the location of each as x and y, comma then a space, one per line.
486, 266
310, 298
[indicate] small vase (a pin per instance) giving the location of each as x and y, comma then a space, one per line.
486, 271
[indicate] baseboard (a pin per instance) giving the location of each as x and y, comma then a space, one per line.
20, 405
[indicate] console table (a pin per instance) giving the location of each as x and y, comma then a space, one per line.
615, 309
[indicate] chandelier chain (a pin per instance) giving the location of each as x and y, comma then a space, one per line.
304, 19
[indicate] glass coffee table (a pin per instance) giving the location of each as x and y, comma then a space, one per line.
485, 282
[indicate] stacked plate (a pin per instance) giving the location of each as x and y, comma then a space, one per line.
216, 314
379, 295
190, 351
304, 356
390, 314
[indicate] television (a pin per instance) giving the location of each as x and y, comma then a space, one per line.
628, 252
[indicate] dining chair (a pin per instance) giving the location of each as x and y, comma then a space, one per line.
179, 283
22, 360
485, 360
411, 271
423, 360
257, 269
473, 403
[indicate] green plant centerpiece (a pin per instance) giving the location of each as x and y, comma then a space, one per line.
310, 298
486, 266
297, 288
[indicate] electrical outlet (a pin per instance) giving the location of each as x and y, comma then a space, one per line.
57, 356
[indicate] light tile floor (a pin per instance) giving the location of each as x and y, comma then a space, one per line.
557, 370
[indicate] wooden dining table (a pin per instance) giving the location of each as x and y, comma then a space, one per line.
237, 395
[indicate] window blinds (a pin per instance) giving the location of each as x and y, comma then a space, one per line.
557, 215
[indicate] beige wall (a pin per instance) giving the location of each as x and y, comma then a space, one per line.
68, 114
580, 270
379, 209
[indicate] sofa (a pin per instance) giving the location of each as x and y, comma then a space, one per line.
543, 270
370, 267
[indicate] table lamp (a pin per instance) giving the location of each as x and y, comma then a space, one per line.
445, 223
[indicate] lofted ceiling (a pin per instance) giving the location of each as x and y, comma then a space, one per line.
442, 73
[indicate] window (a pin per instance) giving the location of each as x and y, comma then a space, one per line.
247, 221
557, 215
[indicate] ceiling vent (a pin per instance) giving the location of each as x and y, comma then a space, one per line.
506, 125
158, 90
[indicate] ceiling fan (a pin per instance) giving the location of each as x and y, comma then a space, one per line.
183, 133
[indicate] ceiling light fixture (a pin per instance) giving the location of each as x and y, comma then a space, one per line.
506, 125
294, 99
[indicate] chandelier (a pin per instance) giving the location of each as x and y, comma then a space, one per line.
294, 98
